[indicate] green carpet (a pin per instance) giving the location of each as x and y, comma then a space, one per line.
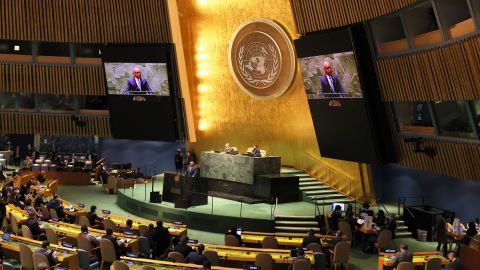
92, 195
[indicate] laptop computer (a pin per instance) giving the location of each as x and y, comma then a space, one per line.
6, 236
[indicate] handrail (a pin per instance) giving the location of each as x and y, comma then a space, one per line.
319, 161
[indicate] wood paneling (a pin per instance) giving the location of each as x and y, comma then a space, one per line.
25, 78
455, 158
53, 124
85, 21
314, 15
448, 72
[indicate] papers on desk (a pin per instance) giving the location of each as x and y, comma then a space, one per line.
360, 221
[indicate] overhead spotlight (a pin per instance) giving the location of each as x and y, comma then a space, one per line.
16, 48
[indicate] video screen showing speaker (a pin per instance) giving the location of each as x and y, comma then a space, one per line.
331, 76
143, 92
336, 88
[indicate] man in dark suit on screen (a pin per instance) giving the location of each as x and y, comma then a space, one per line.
137, 84
192, 170
330, 86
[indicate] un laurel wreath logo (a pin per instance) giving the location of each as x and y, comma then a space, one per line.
261, 58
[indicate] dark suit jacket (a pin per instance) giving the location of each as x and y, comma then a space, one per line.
310, 239
403, 256
195, 258
160, 240
256, 152
49, 255
93, 217
326, 90
455, 265
32, 224
132, 85
191, 171
184, 249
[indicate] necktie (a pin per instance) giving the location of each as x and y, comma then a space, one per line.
330, 81
139, 84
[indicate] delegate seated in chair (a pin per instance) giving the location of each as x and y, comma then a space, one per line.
49, 254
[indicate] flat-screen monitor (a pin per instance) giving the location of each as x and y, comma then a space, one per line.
339, 80
81, 205
55, 219
458, 229
252, 267
6, 236
107, 212
177, 222
143, 92
239, 231
342, 205
193, 241
67, 245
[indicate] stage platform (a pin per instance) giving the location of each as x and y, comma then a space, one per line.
218, 215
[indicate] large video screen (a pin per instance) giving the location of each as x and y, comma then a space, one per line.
331, 76
137, 79
336, 69
143, 92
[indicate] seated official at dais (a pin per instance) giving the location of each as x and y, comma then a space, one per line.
230, 149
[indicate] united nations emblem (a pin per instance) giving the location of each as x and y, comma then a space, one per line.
261, 58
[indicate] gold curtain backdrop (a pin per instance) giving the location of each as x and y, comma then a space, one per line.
223, 113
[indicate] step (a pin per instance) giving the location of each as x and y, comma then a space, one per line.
323, 193
302, 175
295, 217
400, 222
308, 179
403, 234
330, 201
296, 223
317, 186
309, 184
402, 228
295, 229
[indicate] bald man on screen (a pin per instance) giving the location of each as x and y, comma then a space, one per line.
137, 84
330, 86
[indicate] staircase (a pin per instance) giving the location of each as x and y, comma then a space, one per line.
295, 224
402, 230
315, 191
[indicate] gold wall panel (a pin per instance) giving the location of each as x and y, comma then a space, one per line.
449, 72
85, 21
53, 124
23, 78
314, 15
224, 113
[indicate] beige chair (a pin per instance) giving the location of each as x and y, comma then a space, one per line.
83, 220
264, 260
231, 241
302, 265
433, 264
107, 250
270, 242
112, 183
53, 213
475, 242
44, 211
14, 224
142, 229
40, 259
346, 229
384, 240
405, 266
147, 267
108, 224
52, 237
212, 256
341, 254
26, 232
119, 265
85, 244
176, 256
26, 257
315, 247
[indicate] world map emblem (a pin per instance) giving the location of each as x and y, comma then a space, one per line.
261, 58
